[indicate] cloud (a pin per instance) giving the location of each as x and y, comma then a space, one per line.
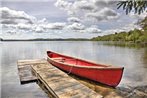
104, 14
11, 32
76, 26
93, 30
24, 26
63, 4
125, 28
27, 0
130, 26
19, 20
105, 3
141, 16
83, 5
9, 16
42, 21
39, 29
57, 26
73, 19
100, 3
97, 9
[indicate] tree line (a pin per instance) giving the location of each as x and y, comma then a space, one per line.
136, 36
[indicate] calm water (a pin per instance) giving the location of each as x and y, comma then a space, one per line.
133, 59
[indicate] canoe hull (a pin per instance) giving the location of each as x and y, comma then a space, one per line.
108, 76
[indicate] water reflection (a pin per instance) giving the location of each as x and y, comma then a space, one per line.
133, 59
144, 57
11, 88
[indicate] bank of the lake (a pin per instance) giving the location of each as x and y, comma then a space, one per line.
135, 36
47, 39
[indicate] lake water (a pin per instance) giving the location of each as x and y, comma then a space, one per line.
134, 60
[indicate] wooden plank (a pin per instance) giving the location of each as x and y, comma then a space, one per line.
32, 61
25, 74
25, 71
60, 84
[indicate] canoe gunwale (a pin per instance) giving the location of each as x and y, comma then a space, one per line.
86, 67
88, 61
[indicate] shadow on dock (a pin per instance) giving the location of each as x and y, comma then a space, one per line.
110, 92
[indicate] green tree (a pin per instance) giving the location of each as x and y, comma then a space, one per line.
138, 6
143, 23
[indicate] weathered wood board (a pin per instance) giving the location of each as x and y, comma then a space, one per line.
24, 70
61, 84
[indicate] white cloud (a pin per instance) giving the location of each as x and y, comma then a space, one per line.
27, 0
19, 20
11, 32
76, 26
100, 3
24, 26
73, 19
141, 16
130, 26
63, 4
39, 29
43, 21
98, 9
8, 26
57, 26
93, 30
126, 28
105, 3
104, 14
83, 5
9, 16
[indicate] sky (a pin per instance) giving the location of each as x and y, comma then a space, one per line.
28, 19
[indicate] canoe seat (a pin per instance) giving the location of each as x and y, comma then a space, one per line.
59, 59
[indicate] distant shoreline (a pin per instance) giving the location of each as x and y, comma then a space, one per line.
70, 39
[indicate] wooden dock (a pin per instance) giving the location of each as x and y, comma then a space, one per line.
58, 83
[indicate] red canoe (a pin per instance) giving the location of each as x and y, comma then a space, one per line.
106, 74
